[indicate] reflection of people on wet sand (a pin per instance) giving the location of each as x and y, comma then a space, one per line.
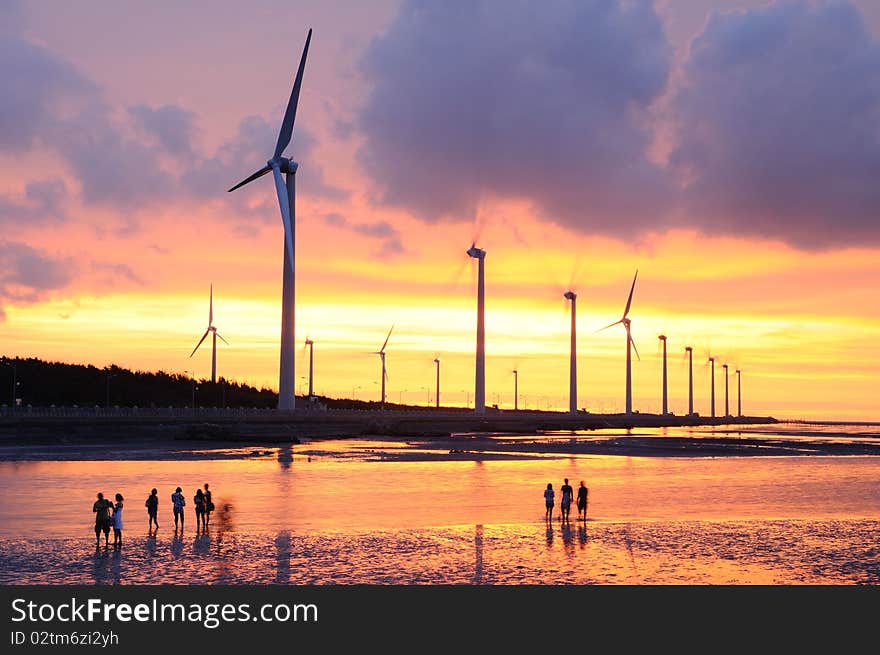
582, 535
152, 505
101, 508
549, 497
565, 504
582, 501
117, 521
178, 502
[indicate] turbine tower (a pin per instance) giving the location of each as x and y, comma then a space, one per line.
480, 381
629, 344
213, 330
285, 187
662, 338
437, 393
572, 362
311, 345
381, 353
739, 405
515, 389
690, 353
726, 404
712, 362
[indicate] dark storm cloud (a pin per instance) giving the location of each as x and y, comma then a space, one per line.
779, 125
541, 101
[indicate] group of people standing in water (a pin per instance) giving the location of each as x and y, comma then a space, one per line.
109, 514
566, 500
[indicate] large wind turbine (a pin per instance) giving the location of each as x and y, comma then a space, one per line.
515, 389
381, 353
480, 381
662, 338
285, 187
690, 353
629, 343
213, 330
712, 362
572, 362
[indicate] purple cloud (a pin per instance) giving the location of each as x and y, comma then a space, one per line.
779, 125
27, 275
542, 101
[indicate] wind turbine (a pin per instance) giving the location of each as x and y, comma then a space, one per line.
311, 347
211, 329
381, 353
690, 354
712, 362
662, 338
629, 343
739, 406
726, 404
572, 363
437, 394
285, 187
480, 381
515, 389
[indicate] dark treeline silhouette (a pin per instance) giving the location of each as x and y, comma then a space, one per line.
41, 383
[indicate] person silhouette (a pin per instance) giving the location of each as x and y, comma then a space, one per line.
117, 521
565, 503
101, 508
209, 505
178, 502
199, 501
582, 501
549, 497
152, 505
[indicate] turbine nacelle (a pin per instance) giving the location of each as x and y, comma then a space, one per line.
475, 252
284, 164
662, 337
570, 295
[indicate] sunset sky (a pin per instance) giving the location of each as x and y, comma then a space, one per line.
728, 150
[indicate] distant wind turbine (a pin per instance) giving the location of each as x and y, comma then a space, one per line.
515, 389
480, 377
726, 403
213, 330
690, 354
381, 353
572, 358
629, 344
311, 346
739, 406
712, 362
285, 187
662, 338
437, 393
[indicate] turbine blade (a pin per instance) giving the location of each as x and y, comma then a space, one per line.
260, 173
386, 340
290, 114
610, 325
281, 188
211, 307
630, 299
636, 350
199, 343
221, 338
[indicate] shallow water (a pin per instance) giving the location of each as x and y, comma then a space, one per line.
335, 512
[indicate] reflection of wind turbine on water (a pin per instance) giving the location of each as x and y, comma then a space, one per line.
211, 329
285, 187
